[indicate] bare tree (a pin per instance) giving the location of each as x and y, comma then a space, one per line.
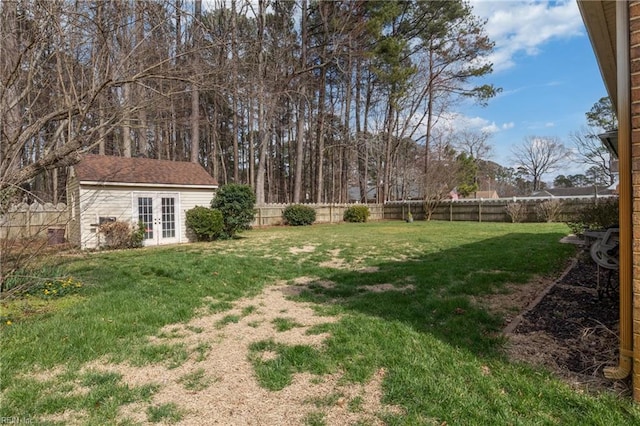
442, 172
474, 143
539, 155
592, 153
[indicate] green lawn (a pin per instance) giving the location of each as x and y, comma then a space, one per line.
441, 353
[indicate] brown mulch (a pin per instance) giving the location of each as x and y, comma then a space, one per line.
573, 329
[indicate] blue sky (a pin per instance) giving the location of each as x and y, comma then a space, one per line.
544, 63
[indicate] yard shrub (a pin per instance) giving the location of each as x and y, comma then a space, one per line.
299, 215
205, 223
600, 215
358, 213
120, 235
516, 211
549, 210
236, 202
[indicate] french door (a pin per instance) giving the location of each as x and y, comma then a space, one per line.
159, 213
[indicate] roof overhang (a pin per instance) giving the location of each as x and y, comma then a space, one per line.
145, 185
610, 141
599, 18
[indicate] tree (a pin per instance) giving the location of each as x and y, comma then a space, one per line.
298, 99
575, 181
442, 174
602, 115
467, 174
537, 156
591, 152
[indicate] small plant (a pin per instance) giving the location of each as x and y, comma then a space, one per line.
549, 210
409, 217
120, 235
195, 381
51, 289
166, 413
516, 211
205, 223
236, 203
299, 215
285, 324
357, 213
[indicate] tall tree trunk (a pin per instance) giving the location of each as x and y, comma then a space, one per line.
126, 121
263, 137
195, 93
143, 129
302, 102
234, 76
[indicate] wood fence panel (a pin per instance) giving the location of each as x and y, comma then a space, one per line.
33, 220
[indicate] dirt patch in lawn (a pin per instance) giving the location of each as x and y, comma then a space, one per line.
567, 327
219, 345
303, 249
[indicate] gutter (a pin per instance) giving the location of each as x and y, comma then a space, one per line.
625, 362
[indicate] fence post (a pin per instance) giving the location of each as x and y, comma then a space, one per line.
480, 210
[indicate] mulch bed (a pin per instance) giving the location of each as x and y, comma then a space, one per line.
580, 323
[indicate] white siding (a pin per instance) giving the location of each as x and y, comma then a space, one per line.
101, 201
115, 201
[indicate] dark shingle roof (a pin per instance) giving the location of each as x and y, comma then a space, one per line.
106, 169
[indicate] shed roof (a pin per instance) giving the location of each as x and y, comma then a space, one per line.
143, 171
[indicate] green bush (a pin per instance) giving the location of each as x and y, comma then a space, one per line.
357, 213
236, 203
299, 215
602, 214
205, 223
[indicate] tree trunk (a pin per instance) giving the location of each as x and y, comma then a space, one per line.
195, 93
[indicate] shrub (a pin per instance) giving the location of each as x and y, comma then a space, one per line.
358, 213
120, 235
137, 236
603, 214
236, 203
549, 210
205, 223
299, 215
516, 211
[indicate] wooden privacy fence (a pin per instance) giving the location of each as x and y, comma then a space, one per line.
34, 220
271, 214
492, 210
475, 210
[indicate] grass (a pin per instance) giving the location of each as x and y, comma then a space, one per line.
441, 352
165, 413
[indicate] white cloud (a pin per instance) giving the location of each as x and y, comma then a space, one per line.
522, 27
491, 128
550, 124
453, 122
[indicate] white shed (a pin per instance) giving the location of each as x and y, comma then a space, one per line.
154, 192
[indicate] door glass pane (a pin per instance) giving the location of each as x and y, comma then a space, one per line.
145, 215
168, 218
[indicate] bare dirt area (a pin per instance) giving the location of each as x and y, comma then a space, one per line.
570, 328
226, 390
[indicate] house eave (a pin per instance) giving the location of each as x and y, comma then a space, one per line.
599, 17
86, 183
